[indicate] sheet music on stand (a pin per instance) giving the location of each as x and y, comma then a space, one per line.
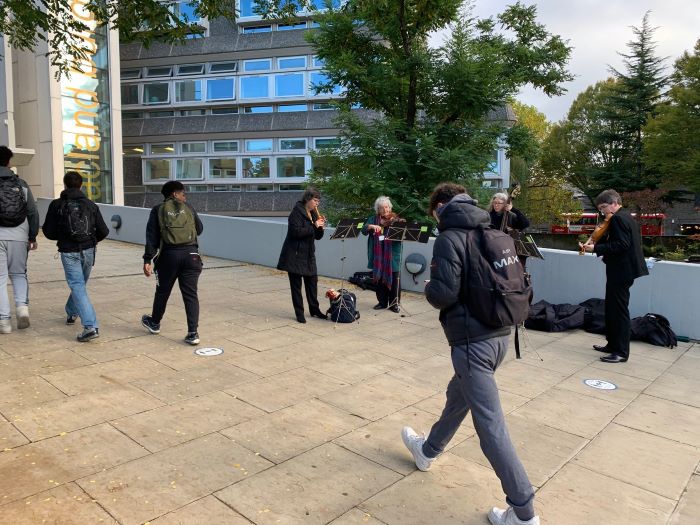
525, 245
409, 231
348, 229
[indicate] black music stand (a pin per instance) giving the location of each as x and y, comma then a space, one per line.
525, 245
346, 229
405, 232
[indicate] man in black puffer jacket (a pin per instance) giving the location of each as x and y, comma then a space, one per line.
477, 351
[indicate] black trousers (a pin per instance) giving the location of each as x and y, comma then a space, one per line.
311, 289
617, 315
184, 265
389, 297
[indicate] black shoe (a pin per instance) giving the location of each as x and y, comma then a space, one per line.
319, 314
395, 309
603, 348
70, 320
301, 319
379, 306
88, 335
150, 324
192, 338
613, 358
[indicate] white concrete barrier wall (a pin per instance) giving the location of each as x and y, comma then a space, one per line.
671, 289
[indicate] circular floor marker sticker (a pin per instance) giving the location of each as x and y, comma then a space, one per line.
208, 352
599, 384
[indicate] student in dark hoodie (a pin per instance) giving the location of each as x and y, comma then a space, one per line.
75, 222
477, 351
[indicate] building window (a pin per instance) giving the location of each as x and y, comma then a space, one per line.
291, 167
256, 29
127, 115
165, 71
258, 187
162, 149
290, 187
254, 87
185, 11
160, 114
256, 145
193, 147
324, 106
317, 62
290, 27
493, 162
189, 169
292, 144
192, 112
317, 79
222, 67
256, 167
156, 93
291, 62
156, 169
222, 168
132, 150
220, 89
257, 65
188, 91
285, 108
327, 143
257, 109
130, 94
290, 85
227, 187
190, 69
224, 111
130, 74
246, 8
225, 145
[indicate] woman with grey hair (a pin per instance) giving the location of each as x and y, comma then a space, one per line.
515, 219
383, 256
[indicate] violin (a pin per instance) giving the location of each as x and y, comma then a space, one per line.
600, 230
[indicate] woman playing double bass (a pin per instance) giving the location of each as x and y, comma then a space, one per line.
383, 255
514, 219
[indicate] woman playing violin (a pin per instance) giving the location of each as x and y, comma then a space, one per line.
383, 256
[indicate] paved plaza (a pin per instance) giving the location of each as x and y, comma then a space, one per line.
301, 423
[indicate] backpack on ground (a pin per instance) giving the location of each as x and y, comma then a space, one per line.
594, 318
343, 309
78, 220
177, 225
498, 292
654, 329
364, 280
13, 203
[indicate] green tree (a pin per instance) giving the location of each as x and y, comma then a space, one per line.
424, 116
631, 102
671, 138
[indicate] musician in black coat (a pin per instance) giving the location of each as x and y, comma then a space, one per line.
621, 250
515, 219
298, 256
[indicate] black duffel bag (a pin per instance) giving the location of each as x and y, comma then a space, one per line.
548, 317
594, 318
654, 329
363, 280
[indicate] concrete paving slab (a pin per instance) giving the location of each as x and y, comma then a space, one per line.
543, 450
356, 517
578, 496
526, 380
21, 393
434, 372
178, 423
205, 511
147, 488
289, 432
285, 357
627, 387
46, 362
354, 366
637, 366
663, 418
10, 437
688, 508
313, 488
660, 465
678, 388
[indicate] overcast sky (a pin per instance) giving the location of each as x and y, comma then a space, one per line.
597, 30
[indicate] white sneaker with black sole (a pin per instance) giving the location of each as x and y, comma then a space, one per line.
507, 517
22, 316
414, 443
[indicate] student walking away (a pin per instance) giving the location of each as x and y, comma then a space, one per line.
172, 253
75, 222
620, 245
298, 255
19, 225
462, 253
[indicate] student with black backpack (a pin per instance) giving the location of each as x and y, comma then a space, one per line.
19, 224
479, 286
172, 253
75, 222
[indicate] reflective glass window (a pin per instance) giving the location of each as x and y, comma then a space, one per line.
130, 94
222, 67
192, 112
156, 169
283, 108
291, 167
292, 144
130, 73
222, 168
257, 65
258, 145
291, 62
226, 187
257, 109
188, 169
164, 71
132, 149
246, 7
220, 89
185, 11
228, 145
193, 147
256, 29
290, 27
190, 69
323, 106
258, 187
256, 167
156, 93
327, 143
317, 79
160, 114
223, 111
317, 62
289, 85
188, 90
162, 149
254, 87
290, 187
126, 115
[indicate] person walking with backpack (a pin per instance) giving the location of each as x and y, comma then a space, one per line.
75, 222
172, 253
478, 348
19, 225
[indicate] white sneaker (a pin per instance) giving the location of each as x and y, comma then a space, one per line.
5, 326
507, 517
22, 316
414, 443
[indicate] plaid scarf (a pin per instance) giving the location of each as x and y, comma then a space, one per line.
381, 269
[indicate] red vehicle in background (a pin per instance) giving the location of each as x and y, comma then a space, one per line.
584, 223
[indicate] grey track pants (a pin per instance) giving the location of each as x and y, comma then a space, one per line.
473, 388
13, 267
